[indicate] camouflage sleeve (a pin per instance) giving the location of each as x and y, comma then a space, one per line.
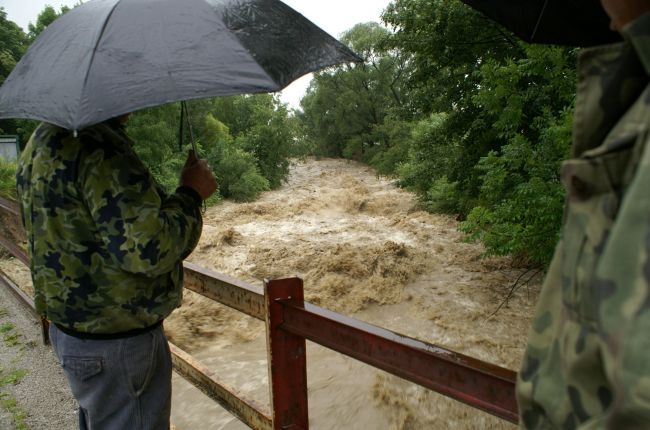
144, 231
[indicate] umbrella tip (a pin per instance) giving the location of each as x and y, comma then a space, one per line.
75, 134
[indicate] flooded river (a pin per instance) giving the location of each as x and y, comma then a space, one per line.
364, 249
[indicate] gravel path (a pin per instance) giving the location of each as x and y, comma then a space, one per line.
34, 394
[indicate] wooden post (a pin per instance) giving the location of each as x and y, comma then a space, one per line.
286, 357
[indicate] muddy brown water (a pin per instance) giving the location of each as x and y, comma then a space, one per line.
364, 249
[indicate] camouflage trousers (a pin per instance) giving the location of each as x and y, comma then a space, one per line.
587, 365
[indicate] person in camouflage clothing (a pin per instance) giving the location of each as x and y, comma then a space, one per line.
587, 365
106, 245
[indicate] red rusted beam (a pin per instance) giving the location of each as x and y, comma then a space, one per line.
10, 206
471, 381
286, 357
20, 294
15, 250
29, 304
239, 295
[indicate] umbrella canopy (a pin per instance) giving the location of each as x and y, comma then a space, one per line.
106, 58
561, 22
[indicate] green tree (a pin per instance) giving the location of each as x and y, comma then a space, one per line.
237, 173
155, 133
246, 163
447, 42
271, 142
345, 107
261, 126
495, 154
47, 16
13, 44
521, 197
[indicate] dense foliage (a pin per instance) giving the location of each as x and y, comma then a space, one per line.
13, 44
345, 109
7, 179
247, 140
470, 118
473, 120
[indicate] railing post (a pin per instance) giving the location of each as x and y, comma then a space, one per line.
45, 331
286, 357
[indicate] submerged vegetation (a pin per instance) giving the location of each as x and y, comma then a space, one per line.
470, 118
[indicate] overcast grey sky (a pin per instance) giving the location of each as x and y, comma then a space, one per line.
334, 16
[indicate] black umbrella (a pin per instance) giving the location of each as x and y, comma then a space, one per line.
106, 58
561, 22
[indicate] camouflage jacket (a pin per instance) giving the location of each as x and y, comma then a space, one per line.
587, 364
106, 243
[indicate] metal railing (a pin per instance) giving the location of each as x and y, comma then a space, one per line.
290, 321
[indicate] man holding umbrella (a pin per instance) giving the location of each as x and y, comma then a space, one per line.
105, 243
587, 364
106, 246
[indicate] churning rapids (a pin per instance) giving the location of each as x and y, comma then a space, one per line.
364, 249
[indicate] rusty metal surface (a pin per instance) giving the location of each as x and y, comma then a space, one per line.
20, 294
247, 411
471, 381
239, 295
9, 206
29, 305
15, 250
287, 358
45, 331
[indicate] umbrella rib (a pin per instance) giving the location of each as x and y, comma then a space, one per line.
92, 56
539, 20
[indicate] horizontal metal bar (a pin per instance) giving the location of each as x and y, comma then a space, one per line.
246, 410
15, 250
28, 302
471, 381
10, 206
20, 294
239, 295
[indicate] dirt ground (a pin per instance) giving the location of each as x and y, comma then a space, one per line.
364, 249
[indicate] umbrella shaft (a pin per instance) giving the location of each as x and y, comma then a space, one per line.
186, 113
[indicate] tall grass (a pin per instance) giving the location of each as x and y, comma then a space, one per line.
8, 179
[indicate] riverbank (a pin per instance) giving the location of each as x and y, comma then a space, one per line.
34, 394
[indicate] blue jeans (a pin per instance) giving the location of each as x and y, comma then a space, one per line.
120, 384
